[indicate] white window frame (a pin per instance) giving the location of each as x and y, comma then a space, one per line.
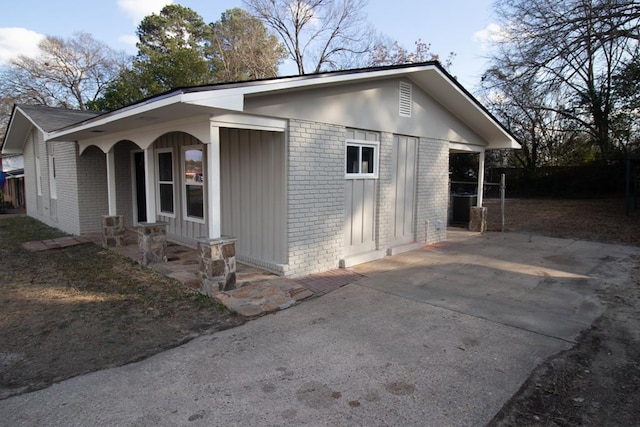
360, 144
184, 184
159, 210
53, 189
38, 172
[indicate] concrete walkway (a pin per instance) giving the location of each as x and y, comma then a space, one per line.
439, 336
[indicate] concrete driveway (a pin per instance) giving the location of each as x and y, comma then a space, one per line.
440, 336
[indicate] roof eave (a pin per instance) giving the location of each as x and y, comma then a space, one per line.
20, 125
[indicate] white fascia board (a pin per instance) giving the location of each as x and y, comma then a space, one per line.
512, 143
467, 148
332, 79
246, 121
221, 99
22, 123
118, 115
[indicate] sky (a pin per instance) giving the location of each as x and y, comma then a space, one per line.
460, 26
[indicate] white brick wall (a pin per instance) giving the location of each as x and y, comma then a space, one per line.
433, 189
315, 196
385, 190
67, 186
38, 207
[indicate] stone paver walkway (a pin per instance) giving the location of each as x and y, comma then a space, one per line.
322, 283
259, 292
59, 243
256, 299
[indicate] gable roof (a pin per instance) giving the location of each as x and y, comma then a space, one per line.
46, 119
431, 77
179, 103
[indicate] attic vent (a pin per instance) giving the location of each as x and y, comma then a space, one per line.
405, 99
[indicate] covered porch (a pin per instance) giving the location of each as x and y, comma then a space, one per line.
213, 184
477, 212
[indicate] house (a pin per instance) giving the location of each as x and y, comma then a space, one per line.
304, 173
27, 136
12, 171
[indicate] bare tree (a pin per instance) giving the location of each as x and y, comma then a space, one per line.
386, 52
243, 49
317, 34
572, 50
68, 72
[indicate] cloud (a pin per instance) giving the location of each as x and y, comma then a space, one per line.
130, 41
16, 41
492, 33
136, 10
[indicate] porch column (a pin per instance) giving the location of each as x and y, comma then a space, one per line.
149, 182
111, 181
480, 178
214, 210
478, 214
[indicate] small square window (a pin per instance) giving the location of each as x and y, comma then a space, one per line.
353, 156
361, 159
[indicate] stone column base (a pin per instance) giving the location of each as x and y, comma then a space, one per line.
152, 241
478, 220
217, 264
112, 231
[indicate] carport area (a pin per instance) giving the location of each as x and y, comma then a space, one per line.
444, 335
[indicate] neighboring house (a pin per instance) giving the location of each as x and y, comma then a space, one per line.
307, 172
52, 187
13, 188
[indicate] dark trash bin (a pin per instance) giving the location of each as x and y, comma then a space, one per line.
461, 207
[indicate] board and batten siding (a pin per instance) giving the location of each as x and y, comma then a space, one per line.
93, 199
124, 182
360, 205
253, 195
179, 229
405, 152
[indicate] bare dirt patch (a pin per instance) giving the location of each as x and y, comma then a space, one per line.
597, 382
66, 312
597, 220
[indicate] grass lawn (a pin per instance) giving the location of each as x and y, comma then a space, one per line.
69, 311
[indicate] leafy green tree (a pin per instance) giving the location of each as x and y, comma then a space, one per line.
243, 49
174, 50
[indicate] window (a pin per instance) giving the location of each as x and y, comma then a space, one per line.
361, 159
194, 184
38, 177
165, 182
53, 190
